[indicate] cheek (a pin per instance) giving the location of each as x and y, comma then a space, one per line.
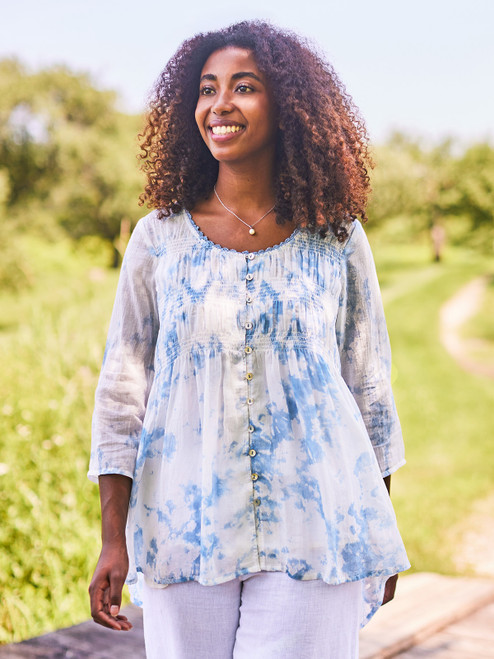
271, 120
199, 117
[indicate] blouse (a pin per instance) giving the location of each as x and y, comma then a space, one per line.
247, 394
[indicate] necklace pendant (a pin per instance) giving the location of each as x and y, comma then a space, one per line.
252, 231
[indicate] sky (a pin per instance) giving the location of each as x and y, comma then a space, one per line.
425, 68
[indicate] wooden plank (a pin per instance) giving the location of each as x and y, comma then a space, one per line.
450, 646
471, 638
86, 640
479, 625
425, 603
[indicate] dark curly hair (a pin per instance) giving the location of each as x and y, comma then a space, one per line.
322, 155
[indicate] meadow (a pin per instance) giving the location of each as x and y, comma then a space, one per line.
51, 343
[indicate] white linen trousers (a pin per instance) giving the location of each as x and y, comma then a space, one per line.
266, 615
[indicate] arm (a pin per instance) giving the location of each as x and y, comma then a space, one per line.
105, 590
387, 482
128, 365
389, 589
121, 398
365, 354
366, 359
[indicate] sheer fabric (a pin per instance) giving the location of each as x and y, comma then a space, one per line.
248, 397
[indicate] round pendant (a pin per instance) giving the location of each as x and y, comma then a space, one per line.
252, 231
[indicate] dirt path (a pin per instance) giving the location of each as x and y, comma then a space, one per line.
474, 536
475, 539
454, 313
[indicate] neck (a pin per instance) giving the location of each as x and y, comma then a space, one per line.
245, 191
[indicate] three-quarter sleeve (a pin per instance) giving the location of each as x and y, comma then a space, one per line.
127, 372
365, 352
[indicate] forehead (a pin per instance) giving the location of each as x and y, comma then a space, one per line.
231, 60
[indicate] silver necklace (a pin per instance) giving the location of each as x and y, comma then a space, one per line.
252, 231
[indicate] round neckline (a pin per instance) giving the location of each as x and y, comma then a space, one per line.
201, 236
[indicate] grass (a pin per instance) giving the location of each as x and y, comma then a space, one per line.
51, 342
445, 412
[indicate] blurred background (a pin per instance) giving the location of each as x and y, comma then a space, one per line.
74, 77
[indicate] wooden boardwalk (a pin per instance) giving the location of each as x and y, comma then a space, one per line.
84, 641
433, 616
470, 638
424, 619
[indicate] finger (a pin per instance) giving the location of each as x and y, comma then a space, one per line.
106, 620
106, 600
99, 606
123, 619
116, 585
97, 593
111, 623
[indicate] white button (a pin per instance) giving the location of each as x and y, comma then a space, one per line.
250, 428
254, 477
249, 276
252, 452
248, 325
251, 256
249, 299
248, 349
250, 401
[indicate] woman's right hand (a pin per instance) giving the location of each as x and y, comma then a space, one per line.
105, 590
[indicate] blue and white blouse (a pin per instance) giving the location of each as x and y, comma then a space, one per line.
248, 397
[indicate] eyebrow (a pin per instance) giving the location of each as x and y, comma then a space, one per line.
235, 76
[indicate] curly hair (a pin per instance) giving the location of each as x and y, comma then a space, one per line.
322, 155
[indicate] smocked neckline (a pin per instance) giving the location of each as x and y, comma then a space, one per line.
202, 236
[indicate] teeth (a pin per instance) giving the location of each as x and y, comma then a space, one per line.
224, 130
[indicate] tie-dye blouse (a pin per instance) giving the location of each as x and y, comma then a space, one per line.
247, 394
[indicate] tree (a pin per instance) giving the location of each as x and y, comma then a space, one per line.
69, 154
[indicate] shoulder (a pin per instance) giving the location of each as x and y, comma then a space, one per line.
357, 242
153, 233
332, 244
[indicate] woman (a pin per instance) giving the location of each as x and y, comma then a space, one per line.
244, 419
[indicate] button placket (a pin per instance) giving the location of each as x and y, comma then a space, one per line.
249, 375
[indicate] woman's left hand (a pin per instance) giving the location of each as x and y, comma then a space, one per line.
389, 588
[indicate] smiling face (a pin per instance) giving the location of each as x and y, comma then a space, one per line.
234, 111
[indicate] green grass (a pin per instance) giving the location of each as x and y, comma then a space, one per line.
445, 413
51, 342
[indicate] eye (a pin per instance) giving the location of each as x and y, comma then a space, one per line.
243, 88
206, 91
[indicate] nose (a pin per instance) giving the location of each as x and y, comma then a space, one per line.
222, 103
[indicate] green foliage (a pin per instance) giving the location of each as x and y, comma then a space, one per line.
398, 180
68, 154
15, 273
52, 339
474, 178
440, 185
